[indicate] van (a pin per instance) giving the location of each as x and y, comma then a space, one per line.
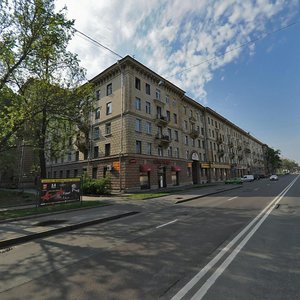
247, 178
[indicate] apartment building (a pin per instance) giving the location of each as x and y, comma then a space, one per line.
147, 134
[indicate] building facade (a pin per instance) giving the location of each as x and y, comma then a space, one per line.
147, 134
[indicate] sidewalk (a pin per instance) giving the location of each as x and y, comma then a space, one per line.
25, 230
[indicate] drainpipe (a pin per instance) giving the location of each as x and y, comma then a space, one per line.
206, 146
122, 125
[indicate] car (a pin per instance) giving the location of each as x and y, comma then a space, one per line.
235, 180
248, 178
273, 178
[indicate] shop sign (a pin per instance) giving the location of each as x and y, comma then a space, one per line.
161, 161
205, 166
116, 165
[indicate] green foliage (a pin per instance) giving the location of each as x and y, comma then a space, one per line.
273, 160
92, 186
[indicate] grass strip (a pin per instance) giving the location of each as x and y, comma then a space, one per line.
19, 213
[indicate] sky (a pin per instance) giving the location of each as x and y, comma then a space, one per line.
239, 57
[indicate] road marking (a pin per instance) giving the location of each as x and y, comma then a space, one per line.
232, 198
212, 279
171, 222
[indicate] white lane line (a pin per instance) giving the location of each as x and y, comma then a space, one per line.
232, 198
212, 279
202, 272
171, 222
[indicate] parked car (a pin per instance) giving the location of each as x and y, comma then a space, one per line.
273, 177
235, 180
248, 178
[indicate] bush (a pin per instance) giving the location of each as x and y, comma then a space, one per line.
92, 186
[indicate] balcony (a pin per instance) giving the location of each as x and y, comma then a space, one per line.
231, 155
221, 153
239, 148
247, 150
163, 140
192, 119
194, 133
161, 120
219, 141
230, 145
240, 157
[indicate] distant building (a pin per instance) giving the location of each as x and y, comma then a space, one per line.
147, 134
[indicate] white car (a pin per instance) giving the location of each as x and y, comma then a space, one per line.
248, 178
273, 177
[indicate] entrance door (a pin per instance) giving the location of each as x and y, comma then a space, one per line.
162, 181
195, 172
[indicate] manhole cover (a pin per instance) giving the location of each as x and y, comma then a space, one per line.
50, 222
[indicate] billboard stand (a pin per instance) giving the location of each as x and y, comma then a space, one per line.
61, 190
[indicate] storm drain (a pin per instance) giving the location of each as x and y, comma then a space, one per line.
50, 222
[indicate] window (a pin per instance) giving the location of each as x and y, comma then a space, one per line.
175, 118
213, 133
149, 148
148, 107
96, 152
109, 89
138, 147
199, 144
54, 174
108, 108
69, 156
176, 135
176, 152
170, 151
184, 110
94, 173
77, 156
148, 128
174, 102
193, 142
158, 110
75, 173
185, 125
157, 94
137, 83
170, 133
98, 95
186, 140
187, 154
61, 173
68, 174
168, 116
96, 132
107, 149
107, 128
202, 130
167, 99
138, 125
208, 120
97, 113
147, 87
138, 103
160, 151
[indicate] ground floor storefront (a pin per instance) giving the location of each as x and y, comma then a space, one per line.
138, 172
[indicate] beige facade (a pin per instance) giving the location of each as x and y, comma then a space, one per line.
146, 133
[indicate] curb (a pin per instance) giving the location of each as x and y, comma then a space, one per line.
30, 237
208, 194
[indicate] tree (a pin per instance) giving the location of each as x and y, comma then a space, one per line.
34, 61
273, 161
289, 165
33, 44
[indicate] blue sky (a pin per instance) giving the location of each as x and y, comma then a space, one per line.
256, 86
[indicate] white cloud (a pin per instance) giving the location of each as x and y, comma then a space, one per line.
169, 36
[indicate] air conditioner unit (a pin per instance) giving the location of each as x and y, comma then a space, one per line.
109, 167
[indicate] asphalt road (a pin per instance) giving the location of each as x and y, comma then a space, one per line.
226, 246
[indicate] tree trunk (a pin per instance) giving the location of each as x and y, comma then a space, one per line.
42, 141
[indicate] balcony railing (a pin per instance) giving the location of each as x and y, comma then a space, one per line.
194, 133
221, 153
163, 140
162, 120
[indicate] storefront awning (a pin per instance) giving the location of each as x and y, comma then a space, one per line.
175, 169
145, 168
